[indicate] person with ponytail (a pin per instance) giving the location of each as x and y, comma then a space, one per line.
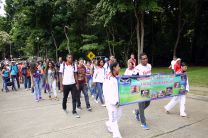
98, 78
110, 91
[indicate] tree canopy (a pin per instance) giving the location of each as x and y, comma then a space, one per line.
161, 28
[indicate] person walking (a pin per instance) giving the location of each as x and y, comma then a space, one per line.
182, 98
5, 75
173, 64
51, 77
132, 60
98, 78
70, 83
36, 81
14, 75
110, 91
177, 65
82, 80
130, 69
144, 68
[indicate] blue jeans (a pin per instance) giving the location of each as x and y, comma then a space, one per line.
37, 88
93, 89
14, 81
27, 82
5, 79
99, 87
84, 89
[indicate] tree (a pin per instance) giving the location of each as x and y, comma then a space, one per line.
4, 41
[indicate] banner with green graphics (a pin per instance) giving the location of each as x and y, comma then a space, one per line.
135, 89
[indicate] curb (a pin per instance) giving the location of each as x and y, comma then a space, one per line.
197, 97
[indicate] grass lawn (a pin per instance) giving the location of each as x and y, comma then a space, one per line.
198, 76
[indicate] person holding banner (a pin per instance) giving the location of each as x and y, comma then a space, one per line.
173, 64
144, 68
179, 99
108, 64
130, 69
110, 91
177, 66
132, 60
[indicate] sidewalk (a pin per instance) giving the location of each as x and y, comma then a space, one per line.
22, 117
199, 90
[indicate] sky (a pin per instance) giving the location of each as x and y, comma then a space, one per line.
2, 12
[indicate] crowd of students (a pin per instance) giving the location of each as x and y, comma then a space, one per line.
97, 77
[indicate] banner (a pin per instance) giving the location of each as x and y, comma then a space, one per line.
135, 89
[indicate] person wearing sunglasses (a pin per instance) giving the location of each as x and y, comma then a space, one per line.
144, 68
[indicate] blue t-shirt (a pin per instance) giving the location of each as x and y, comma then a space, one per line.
14, 70
6, 73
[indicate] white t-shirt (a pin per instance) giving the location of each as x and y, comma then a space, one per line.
99, 75
110, 90
68, 74
107, 68
172, 64
143, 70
129, 71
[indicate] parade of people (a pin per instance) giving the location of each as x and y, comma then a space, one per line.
103, 69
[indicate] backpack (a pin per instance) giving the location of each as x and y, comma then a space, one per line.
24, 71
64, 67
13, 68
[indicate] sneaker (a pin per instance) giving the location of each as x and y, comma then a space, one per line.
117, 137
96, 101
103, 105
65, 111
79, 107
167, 112
108, 127
76, 115
37, 100
183, 115
26, 89
56, 98
146, 127
40, 98
89, 109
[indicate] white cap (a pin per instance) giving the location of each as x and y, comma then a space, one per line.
178, 59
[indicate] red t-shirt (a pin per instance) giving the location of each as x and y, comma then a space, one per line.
81, 74
177, 67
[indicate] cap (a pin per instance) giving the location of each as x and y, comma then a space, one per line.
178, 59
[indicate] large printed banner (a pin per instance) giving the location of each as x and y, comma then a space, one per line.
135, 89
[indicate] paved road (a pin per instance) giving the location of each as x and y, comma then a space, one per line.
22, 117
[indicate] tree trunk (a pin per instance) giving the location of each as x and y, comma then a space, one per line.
138, 39
108, 42
55, 44
179, 30
67, 38
142, 32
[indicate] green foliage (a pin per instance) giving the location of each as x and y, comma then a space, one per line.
4, 38
89, 43
106, 27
